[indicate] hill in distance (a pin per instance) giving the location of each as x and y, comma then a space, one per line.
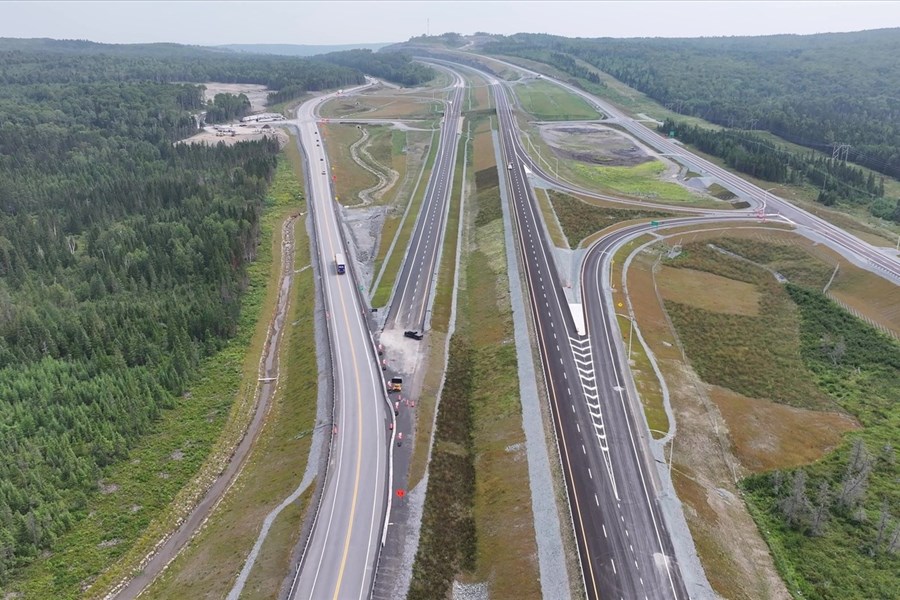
297, 49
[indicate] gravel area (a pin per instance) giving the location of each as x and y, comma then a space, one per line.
470, 591
551, 558
363, 228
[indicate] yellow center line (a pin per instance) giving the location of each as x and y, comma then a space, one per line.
343, 566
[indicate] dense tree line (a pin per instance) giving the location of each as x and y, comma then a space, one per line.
56, 62
393, 66
122, 259
837, 521
227, 107
837, 180
812, 90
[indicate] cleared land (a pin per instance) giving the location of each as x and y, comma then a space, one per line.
709, 291
594, 144
256, 93
548, 102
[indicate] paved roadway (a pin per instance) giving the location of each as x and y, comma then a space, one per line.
622, 542
413, 288
340, 555
884, 263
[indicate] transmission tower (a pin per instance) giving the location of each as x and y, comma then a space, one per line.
840, 151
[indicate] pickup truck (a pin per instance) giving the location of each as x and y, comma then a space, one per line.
416, 335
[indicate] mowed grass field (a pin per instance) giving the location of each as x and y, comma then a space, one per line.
548, 102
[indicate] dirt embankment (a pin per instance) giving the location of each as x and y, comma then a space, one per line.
721, 436
594, 144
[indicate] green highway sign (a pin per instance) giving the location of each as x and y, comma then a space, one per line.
654, 223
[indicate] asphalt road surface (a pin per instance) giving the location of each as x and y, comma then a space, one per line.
623, 545
882, 260
412, 292
339, 559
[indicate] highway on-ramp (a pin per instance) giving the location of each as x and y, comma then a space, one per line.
340, 555
412, 291
623, 544
849, 245
624, 547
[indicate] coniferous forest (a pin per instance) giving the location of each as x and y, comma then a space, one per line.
816, 90
122, 256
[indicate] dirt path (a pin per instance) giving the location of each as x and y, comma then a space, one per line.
374, 193
168, 548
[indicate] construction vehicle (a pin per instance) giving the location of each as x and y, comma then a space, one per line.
395, 384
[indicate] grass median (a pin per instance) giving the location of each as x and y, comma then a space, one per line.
477, 525
395, 258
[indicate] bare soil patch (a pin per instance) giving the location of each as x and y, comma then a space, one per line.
594, 144
708, 291
768, 436
211, 137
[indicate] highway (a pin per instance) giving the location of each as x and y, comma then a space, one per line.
340, 555
850, 245
413, 287
623, 545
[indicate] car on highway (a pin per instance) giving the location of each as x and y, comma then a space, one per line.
416, 335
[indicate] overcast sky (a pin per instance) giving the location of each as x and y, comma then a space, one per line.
213, 22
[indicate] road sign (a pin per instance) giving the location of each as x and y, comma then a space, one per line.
654, 223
